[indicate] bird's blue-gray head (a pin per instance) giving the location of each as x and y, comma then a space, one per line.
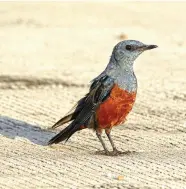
129, 50
120, 66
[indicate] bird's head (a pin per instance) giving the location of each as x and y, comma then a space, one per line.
129, 50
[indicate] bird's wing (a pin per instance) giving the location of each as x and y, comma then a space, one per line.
71, 115
99, 91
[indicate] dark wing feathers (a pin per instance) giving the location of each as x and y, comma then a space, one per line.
97, 94
99, 91
63, 120
85, 109
71, 115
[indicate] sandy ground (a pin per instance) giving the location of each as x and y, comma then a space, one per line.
48, 54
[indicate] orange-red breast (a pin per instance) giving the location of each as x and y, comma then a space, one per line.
110, 98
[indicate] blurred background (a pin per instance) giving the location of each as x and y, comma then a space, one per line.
48, 54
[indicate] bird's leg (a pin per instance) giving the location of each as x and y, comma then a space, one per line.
115, 151
98, 133
107, 131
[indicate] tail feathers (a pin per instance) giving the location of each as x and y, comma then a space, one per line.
64, 134
63, 121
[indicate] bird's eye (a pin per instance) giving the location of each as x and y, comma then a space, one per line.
128, 47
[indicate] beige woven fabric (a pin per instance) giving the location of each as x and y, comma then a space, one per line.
48, 54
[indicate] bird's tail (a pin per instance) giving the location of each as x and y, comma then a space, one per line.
65, 134
63, 120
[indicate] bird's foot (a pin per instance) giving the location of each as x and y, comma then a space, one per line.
116, 152
103, 152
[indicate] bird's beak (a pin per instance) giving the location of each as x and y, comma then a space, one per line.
149, 47
146, 47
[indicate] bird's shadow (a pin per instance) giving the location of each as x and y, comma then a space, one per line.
13, 128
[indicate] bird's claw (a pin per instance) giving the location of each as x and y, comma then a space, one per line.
116, 152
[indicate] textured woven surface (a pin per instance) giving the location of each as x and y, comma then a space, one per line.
48, 53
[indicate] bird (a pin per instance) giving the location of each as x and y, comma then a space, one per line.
110, 98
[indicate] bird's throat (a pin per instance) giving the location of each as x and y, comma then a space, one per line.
126, 80
124, 76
